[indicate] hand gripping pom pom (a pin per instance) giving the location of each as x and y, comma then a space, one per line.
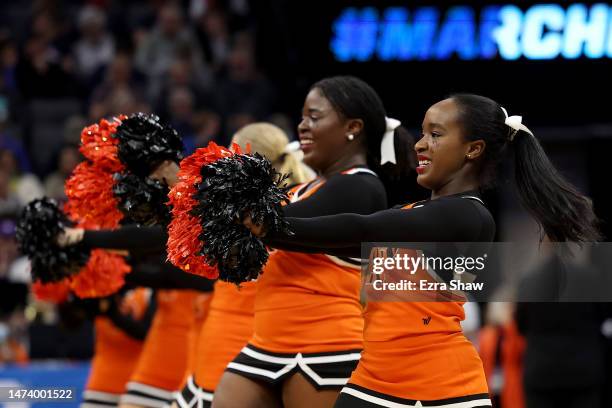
141, 200
39, 225
230, 188
184, 245
143, 143
92, 204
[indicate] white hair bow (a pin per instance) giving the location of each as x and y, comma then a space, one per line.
387, 147
516, 124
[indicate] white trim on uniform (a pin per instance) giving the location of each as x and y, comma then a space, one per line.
101, 396
206, 396
147, 389
360, 170
96, 405
391, 404
342, 262
292, 362
144, 401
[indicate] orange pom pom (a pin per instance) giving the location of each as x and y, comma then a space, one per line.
56, 292
102, 276
184, 231
91, 201
99, 145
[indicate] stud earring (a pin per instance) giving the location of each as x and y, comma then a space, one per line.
350, 137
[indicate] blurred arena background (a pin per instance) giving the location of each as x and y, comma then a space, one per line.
209, 67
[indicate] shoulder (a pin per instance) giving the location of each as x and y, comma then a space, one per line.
362, 178
463, 213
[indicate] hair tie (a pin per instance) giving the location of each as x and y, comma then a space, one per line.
515, 123
387, 145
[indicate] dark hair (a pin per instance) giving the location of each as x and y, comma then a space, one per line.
354, 99
561, 210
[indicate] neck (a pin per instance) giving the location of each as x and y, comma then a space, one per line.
455, 187
343, 164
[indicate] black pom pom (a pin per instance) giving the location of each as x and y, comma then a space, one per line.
232, 187
39, 225
142, 200
144, 143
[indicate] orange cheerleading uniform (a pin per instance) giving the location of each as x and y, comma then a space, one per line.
164, 359
403, 341
415, 353
227, 328
308, 315
116, 354
308, 303
429, 336
201, 308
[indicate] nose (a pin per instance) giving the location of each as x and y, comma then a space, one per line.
421, 145
304, 125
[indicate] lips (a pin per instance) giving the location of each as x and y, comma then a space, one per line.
306, 144
424, 162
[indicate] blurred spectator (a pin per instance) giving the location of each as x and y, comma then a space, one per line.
25, 186
181, 75
564, 357
181, 113
43, 70
244, 94
72, 129
119, 74
169, 39
119, 93
39, 73
69, 157
8, 246
501, 349
8, 64
9, 204
96, 47
12, 339
120, 101
284, 122
214, 36
208, 127
9, 142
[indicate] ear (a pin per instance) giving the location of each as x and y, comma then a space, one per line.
354, 126
475, 149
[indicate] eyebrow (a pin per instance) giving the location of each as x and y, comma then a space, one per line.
314, 110
438, 126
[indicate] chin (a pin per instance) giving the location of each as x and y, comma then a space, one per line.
423, 182
310, 161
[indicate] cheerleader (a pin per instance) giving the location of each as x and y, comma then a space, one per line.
432, 364
308, 317
119, 336
146, 151
165, 359
229, 323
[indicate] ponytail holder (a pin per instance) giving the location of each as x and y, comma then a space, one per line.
387, 147
293, 148
515, 123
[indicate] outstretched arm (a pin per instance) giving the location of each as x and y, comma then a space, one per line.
443, 220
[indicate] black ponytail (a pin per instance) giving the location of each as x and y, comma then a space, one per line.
354, 99
563, 213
